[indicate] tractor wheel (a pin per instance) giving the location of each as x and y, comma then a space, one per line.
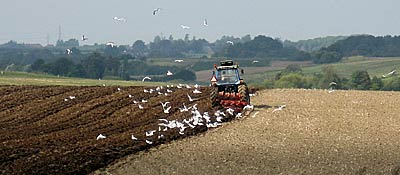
214, 96
244, 93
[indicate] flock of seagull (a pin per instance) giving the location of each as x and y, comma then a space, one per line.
196, 119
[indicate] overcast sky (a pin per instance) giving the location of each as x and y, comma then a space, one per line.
30, 21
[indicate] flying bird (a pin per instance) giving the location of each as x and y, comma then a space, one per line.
205, 23
156, 10
229, 42
150, 133
84, 38
190, 98
196, 91
178, 61
120, 19
69, 51
148, 78
279, 108
185, 27
149, 142
140, 107
111, 44
100, 136
169, 73
255, 61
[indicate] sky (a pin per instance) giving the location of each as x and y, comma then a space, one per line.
27, 21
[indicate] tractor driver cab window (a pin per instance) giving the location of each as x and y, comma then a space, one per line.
227, 76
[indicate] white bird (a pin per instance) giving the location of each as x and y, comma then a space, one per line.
133, 137
196, 86
140, 107
135, 102
156, 10
148, 78
159, 93
160, 136
279, 108
164, 120
84, 38
144, 101
185, 27
65, 99
69, 51
184, 109
169, 73
255, 61
230, 111
389, 74
71, 97
119, 89
332, 83
169, 91
239, 115
111, 44
164, 104
120, 19
196, 91
190, 98
166, 110
205, 22
254, 115
188, 87
149, 142
145, 91
130, 96
178, 61
150, 133
250, 107
100, 136
229, 42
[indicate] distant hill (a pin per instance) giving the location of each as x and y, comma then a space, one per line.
311, 45
359, 45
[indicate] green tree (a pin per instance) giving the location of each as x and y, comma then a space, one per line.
360, 80
94, 65
292, 80
329, 77
376, 83
38, 65
61, 66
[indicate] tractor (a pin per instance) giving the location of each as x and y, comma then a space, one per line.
228, 89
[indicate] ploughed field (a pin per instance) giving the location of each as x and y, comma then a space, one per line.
317, 132
54, 129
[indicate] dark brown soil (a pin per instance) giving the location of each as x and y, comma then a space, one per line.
41, 133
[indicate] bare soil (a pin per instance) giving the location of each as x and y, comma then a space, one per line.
342, 132
42, 133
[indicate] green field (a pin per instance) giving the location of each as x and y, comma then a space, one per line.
374, 66
23, 78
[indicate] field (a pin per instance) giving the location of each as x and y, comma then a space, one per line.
374, 66
342, 132
54, 129
250, 71
23, 78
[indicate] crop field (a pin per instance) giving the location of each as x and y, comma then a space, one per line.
56, 129
374, 66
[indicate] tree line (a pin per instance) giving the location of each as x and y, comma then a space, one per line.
359, 45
